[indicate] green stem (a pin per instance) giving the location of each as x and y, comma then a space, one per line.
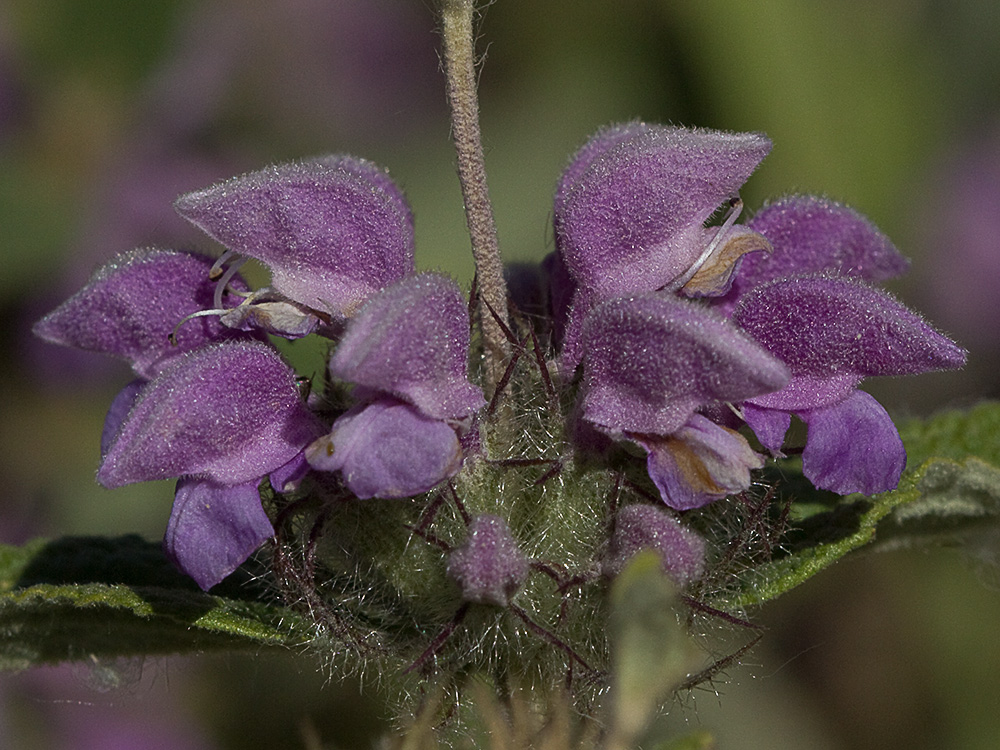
460, 71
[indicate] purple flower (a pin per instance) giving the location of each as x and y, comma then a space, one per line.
810, 235
211, 405
833, 332
228, 413
133, 306
630, 210
639, 527
387, 448
651, 363
629, 218
333, 230
407, 353
412, 341
630, 213
489, 568
699, 463
221, 418
214, 528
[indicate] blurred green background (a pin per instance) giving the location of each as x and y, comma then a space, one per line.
110, 108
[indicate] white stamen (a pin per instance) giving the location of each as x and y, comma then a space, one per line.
216, 270
220, 287
200, 314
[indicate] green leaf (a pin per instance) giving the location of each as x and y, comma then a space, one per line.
850, 525
954, 488
955, 498
955, 435
87, 597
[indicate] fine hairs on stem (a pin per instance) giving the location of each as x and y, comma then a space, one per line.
460, 70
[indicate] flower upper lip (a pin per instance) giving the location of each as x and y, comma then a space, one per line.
333, 230
630, 212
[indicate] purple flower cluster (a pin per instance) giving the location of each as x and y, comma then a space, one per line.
683, 330
679, 331
214, 403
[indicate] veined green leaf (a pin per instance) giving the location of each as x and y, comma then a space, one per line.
953, 487
79, 598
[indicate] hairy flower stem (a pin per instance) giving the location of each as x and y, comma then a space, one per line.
460, 71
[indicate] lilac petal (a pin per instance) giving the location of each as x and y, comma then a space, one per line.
489, 567
572, 330
810, 391
599, 143
388, 449
632, 221
214, 528
639, 527
288, 477
333, 230
118, 411
832, 332
813, 235
699, 463
412, 341
651, 361
229, 413
132, 304
853, 446
769, 425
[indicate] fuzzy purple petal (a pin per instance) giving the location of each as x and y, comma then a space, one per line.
214, 528
412, 341
632, 220
388, 449
118, 411
288, 477
639, 527
651, 361
832, 332
489, 567
603, 140
769, 425
229, 413
699, 463
813, 235
333, 230
571, 331
853, 446
132, 304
